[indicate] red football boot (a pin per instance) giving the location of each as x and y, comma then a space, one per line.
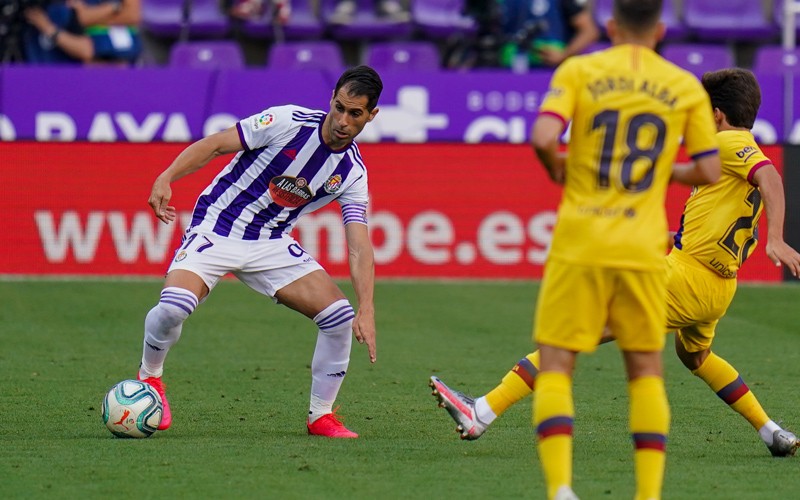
329, 426
160, 387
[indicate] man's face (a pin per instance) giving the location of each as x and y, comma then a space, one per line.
347, 118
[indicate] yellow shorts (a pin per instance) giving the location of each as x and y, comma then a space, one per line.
576, 302
697, 298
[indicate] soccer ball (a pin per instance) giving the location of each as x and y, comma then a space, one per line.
132, 409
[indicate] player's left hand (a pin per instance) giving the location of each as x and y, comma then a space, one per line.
781, 253
551, 56
364, 331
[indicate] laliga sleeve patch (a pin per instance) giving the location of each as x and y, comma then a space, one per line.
263, 120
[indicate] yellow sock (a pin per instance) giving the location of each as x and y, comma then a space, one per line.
553, 413
729, 386
517, 384
649, 422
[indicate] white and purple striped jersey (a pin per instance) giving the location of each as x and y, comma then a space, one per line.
285, 171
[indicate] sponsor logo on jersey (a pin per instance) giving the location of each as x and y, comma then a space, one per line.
181, 255
601, 211
722, 269
263, 120
333, 184
746, 153
289, 191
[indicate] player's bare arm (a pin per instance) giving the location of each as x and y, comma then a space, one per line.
190, 160
362, 272
704, 170
671, 240
771, 187
586, 33
107, 13
545, 136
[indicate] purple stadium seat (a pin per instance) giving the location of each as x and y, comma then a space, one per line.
728, 20
165, 18
669, 16
403, 56
778, 14
698, 58
314, 54
775, 60
366, 23
439, 19
207, 54
304, 23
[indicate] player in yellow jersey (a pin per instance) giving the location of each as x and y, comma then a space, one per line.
717, 234
629, 110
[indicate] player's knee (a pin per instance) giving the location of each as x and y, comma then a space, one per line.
174, 306
337, 318
691, 360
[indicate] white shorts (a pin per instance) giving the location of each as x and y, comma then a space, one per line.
266, 266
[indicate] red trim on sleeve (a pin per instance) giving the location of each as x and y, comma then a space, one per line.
564, 121
755, 169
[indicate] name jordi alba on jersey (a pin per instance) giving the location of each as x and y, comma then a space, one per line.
629, 110
285, 170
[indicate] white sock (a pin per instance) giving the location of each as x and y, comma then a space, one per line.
483, 411
767, 430
317, 408
331, 356
162, 328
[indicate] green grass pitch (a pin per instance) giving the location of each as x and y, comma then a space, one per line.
239, 379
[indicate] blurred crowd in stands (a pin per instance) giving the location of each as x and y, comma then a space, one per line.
422, 34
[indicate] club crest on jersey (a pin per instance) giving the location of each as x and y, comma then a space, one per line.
289, 191
181, 255
333, 184
263, 120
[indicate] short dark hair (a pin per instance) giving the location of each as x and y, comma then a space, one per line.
637, 15
361, 80
736, 93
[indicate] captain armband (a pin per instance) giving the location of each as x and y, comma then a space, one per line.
354, 213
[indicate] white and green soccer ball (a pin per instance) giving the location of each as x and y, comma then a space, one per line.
132, 409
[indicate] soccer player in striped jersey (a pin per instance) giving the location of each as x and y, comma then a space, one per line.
289, 161
718, 232
629, 110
